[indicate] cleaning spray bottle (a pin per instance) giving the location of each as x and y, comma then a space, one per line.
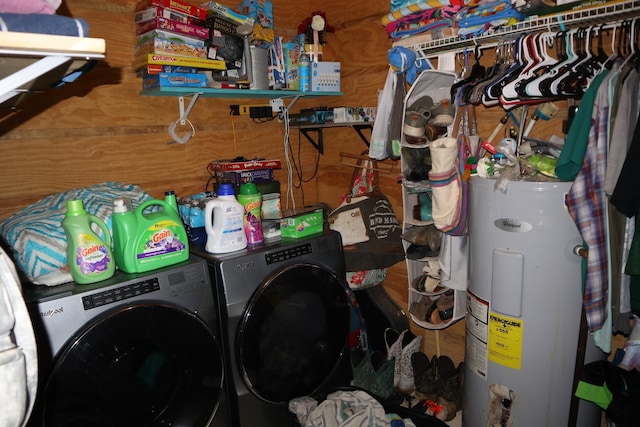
224, 222
89, 257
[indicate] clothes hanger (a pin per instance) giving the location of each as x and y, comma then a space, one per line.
497, 69
534, 87
493, 90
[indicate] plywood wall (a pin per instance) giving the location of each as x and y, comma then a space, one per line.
100, 128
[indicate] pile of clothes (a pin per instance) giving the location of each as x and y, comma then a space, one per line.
440, 18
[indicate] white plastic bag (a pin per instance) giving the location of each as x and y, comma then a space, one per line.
379, 133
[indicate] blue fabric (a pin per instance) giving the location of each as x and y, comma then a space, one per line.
44, 24
36, 235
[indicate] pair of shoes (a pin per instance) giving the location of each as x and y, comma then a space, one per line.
439, 381
400, 347
422, 211
451, 380
417, 116
434, 309
372, 371
425, 241
442, 113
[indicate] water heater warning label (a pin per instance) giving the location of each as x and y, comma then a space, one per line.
505, 340
477, 334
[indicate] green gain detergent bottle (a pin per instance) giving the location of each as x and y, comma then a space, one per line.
145, 239
89, 257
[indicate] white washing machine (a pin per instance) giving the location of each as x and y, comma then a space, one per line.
285, 321
135, 350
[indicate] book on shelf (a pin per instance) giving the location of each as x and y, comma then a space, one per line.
176, 27
243, 164
179, 61
175, 5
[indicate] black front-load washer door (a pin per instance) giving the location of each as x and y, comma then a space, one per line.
140, 365
293, 333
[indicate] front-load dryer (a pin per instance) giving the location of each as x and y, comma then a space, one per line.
134, 350
285, 315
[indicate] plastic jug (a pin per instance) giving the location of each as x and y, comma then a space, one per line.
145, 239
89, 257
224, 222
251, 200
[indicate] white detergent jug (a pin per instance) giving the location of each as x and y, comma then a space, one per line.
224, 222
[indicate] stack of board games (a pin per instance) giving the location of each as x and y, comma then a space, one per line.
171, 48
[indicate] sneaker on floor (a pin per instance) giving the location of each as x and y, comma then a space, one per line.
451, 384
393, 342
410, 345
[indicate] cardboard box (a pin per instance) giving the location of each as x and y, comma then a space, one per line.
238, 178
302, 224
164, 42
176, 5
177, 27
150, 81
244, 164
325, 76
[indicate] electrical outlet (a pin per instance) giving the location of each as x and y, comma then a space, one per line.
277, 105
235, 109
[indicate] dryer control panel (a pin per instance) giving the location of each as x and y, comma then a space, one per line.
288, 253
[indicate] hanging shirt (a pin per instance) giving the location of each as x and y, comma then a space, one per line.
586, 204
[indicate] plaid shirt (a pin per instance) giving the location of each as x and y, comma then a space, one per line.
586, 202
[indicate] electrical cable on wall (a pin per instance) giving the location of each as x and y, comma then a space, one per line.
287, 130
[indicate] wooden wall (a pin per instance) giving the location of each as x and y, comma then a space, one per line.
100, 129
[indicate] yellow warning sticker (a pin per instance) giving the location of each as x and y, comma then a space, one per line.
505, 340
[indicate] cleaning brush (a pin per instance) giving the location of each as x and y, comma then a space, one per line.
544, 111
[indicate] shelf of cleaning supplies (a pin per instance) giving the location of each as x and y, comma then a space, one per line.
233, 93
606, 13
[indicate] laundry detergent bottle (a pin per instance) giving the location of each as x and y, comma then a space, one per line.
149, 237
224, 217
89, 256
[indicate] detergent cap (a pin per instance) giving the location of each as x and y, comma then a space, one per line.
226, 189
248, 188
75, 208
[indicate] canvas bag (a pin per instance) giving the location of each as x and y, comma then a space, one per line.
369, 228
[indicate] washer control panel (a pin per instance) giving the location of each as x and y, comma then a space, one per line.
120, 293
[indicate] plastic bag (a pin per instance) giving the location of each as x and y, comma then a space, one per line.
379, 133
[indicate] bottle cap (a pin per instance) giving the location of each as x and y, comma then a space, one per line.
248, 188
75, 207
226, 189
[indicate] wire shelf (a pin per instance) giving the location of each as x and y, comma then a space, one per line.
606, 13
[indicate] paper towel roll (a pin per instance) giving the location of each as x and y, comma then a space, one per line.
259, 68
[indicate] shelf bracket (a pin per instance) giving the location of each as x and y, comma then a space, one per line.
319, 145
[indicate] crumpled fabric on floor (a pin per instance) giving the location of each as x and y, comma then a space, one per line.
344, 409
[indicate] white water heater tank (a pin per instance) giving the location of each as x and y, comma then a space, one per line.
524, 309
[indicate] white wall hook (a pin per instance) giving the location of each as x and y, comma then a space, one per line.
183, 120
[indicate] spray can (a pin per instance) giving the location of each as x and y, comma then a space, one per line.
89, 257
223, 222
251, 199
304, 72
